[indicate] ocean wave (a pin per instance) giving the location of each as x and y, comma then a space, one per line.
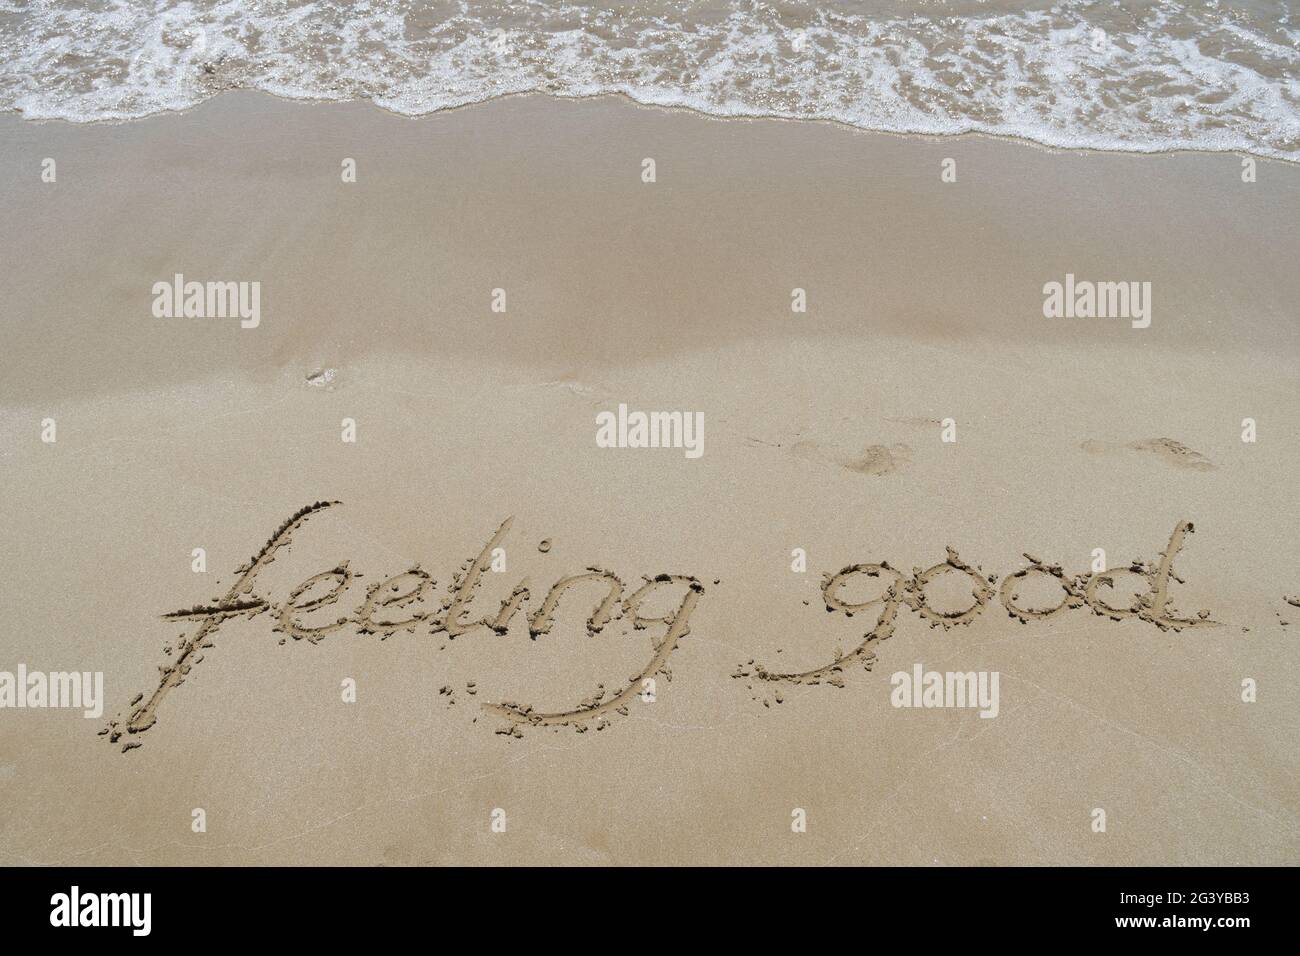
1146, 75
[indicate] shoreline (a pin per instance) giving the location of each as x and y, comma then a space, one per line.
1012, 138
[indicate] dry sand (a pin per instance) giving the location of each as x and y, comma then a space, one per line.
823, 432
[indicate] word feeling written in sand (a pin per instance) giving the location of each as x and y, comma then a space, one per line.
389, 607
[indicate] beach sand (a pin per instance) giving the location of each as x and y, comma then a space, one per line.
823, 432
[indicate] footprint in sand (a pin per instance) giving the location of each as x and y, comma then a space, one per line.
881, 459
872, 460
1166, 449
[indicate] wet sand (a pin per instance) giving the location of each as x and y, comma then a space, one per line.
824, 431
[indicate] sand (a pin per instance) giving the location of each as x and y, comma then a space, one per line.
823, 432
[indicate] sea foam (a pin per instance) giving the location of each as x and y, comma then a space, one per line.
1151, 75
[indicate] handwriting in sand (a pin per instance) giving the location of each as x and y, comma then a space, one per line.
375, 615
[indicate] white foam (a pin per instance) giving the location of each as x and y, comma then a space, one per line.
1168, 75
